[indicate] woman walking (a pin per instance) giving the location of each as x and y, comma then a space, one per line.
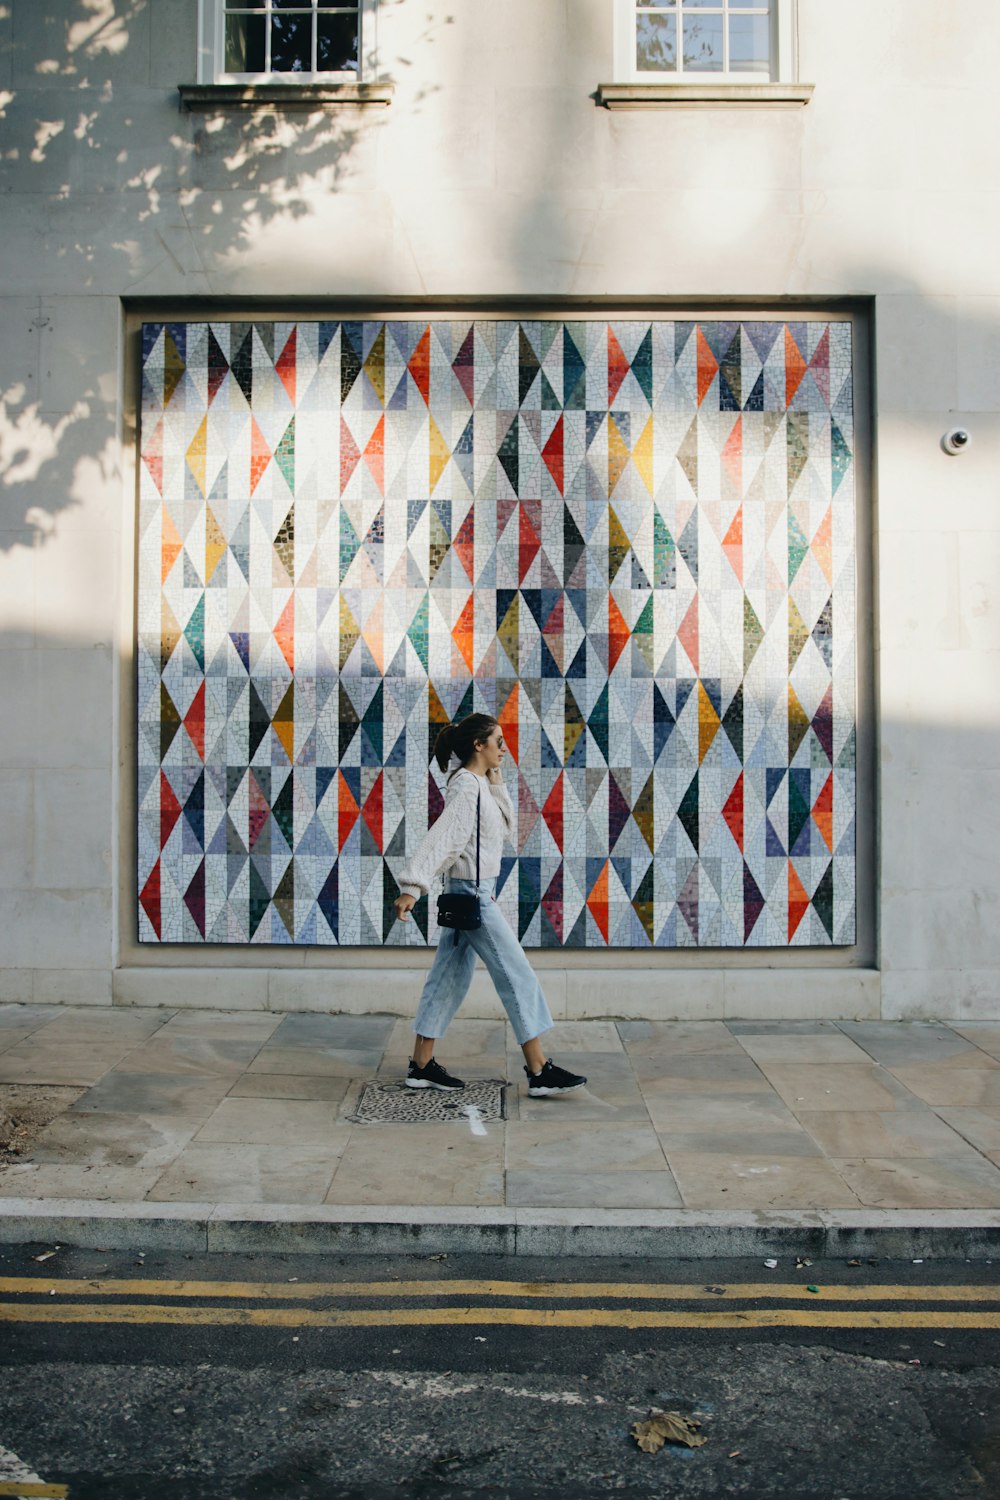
451, 846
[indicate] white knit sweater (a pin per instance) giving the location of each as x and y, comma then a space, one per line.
450, 845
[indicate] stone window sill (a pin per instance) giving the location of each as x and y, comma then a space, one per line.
284, 95
702, 95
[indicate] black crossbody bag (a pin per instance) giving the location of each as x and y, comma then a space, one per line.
459, 912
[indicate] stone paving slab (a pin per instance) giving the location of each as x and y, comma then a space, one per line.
171, 1108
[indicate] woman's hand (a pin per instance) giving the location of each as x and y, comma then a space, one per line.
404, 904
494, 775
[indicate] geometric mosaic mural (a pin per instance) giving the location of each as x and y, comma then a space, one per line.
633, 542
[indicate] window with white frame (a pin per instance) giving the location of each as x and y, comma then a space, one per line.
249, 41
704, 40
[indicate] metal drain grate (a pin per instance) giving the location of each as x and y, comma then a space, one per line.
395, 1103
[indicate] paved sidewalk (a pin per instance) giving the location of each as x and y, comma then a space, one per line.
193, 1107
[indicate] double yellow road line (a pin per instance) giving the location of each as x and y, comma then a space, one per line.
473, 1303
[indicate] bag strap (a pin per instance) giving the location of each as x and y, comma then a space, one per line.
479, 796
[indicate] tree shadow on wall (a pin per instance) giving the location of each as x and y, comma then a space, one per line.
113, 190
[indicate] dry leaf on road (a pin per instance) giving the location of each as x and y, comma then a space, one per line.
667, 1427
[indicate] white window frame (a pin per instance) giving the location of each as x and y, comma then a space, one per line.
783, 52
212, 51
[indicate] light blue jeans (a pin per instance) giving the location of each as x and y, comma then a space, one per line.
451, 973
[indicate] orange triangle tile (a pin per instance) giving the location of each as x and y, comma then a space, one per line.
350, 453
795, 367
707, 366
708, 722
552, 453
732, 544
821, 545
436, 712
285, 366
597, 901
284, 633
687, 632
283, 722
194, 721
170, 544
260, 454
618, 633
822, 812
153, 456
733, 811
463, 632
732, 453
375, 455
798, 901
347, 811
508, 718
420, 365
373, 631
552, 812
618, 365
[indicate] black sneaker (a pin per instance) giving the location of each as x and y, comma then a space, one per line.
552, 1080
433, 1076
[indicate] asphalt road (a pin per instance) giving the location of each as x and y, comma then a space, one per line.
131, 1377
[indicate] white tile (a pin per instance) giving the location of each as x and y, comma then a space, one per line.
73, 710
645, 994
76, 571
18, 591
17, 844
979, 589
923, 809
916, 348
71, 928
978, 355
940, 994
72, 987
802, 994
919, 591
73, 823
78, 350
16, 987
204, 988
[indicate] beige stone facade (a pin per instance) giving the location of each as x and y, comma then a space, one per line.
496, 179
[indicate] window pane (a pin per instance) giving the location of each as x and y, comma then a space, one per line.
703, 44
290, 5
336, 5
699, 4
660, 4
244, 44
748, 5
247, 5
656, 44
291, 44
337, 44
749, 44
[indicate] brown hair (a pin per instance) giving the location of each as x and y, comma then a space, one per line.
461, 739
